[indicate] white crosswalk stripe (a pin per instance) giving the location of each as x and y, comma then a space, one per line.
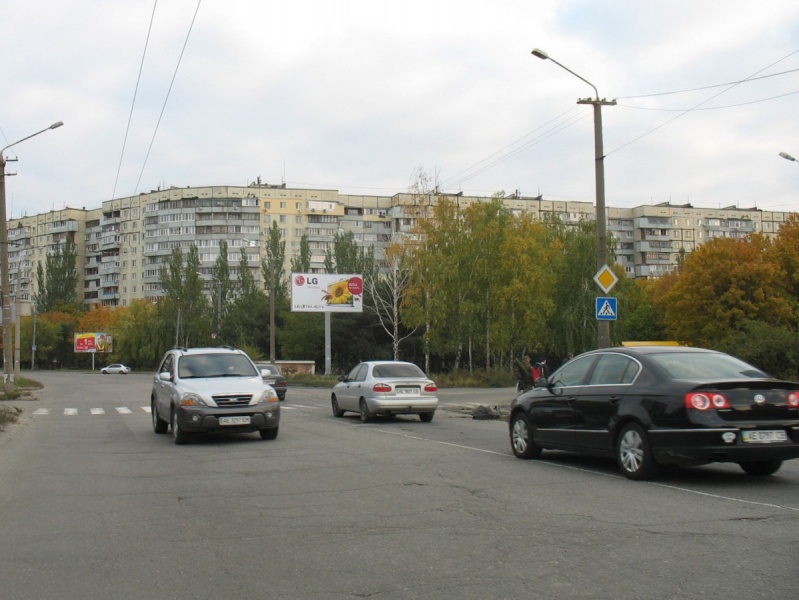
124, 410
97, 411
70, 411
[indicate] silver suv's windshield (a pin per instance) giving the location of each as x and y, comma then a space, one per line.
215, 365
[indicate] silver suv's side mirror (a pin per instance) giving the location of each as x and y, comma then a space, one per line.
165, 376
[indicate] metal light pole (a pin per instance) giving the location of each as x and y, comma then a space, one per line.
603, 327
787, 156
5, 279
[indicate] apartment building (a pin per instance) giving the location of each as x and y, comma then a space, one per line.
123, 244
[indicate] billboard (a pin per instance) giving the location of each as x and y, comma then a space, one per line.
93, 342
326, 292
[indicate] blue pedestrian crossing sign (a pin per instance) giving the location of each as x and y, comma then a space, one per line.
607, 309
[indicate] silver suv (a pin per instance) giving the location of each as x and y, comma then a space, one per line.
199, 390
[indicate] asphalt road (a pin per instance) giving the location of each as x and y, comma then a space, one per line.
93, 504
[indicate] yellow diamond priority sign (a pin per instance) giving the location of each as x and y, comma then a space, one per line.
605, 278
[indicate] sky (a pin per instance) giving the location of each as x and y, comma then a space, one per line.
360, 96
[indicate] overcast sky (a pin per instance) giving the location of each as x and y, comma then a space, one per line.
356, 95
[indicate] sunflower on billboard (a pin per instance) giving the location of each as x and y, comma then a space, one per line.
339, 293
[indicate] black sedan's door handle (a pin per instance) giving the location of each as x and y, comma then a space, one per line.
614, 399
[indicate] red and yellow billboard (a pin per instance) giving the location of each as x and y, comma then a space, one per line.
93, 342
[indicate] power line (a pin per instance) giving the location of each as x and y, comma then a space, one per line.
685, 112
169, 91
710, 107
708, 87
453, 182
135, 93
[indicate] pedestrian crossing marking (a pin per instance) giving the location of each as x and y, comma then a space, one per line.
97, 411
70, 411
41, 411
124, 410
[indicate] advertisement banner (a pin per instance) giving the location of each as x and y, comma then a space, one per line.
326, 292
93, 342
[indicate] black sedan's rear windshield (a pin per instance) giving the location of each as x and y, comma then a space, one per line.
709, 365
399, 370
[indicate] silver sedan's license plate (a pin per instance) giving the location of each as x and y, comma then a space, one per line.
234, 420
764, 437
407, 391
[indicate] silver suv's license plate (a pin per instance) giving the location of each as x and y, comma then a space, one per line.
234, 420
764, 437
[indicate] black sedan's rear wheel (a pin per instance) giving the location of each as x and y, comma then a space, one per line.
521, 437
634, 454
761, 468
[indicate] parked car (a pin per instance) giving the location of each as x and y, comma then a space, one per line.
385, 388
200, 390
272, 375
115, 369
656, 405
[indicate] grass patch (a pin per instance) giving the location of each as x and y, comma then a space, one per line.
8, 414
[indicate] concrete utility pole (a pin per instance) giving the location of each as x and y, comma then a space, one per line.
5, 279
603, 327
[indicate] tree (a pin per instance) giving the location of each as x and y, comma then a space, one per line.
301, 263
724, 284
138, 342
57, 282
184, 297
388, 293
221, 287
274, 278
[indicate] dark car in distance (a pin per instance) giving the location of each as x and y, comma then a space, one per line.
274, 377
649, 406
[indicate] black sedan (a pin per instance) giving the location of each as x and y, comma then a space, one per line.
658, 405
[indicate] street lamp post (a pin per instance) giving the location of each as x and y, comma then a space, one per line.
603, 327
787, 156
5, 279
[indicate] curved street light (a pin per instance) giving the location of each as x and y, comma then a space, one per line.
603, 327
787, 156
5, 279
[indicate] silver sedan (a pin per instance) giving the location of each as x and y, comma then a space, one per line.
385, 388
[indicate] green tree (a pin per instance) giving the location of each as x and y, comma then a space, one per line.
301, 262
185, 301
221, 286
139, 342
57, 281
274, 279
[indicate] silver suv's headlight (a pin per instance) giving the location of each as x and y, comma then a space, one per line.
267, 395
192, 399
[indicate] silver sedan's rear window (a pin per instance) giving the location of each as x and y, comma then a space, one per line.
397, 370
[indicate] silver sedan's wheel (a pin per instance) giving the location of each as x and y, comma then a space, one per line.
337, 412
634, 454
521, 437
366, 416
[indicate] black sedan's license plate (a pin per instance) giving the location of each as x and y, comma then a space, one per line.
764, 437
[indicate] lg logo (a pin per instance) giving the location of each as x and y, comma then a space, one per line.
299, 280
